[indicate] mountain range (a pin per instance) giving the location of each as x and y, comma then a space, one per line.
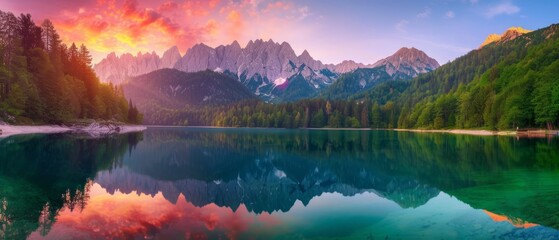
272, 71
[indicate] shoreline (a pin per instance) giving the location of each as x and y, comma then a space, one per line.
11, 130
533, 133
96, 130
461, 132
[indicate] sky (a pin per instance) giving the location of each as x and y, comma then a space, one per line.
331, 30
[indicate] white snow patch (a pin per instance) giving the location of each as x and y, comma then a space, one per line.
206, 98
280, 81
218, 70
258, 88
174, 90
279, 173
362, 83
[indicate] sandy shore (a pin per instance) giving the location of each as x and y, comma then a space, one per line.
10, 130
463, 131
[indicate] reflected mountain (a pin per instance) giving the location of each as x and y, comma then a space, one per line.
230, 169
269, 170
42, 174
266, 171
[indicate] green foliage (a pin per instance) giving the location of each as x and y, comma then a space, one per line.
356, 82
254, 113
500, 86
44, 81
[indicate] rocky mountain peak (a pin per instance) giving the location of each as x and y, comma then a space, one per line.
308, 60
170, 57
510, 34
513, 33
305, 54
235, 44
408, 61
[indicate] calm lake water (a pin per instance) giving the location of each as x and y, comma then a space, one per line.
185, 183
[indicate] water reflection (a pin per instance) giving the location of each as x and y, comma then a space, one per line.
239, 183
41, 175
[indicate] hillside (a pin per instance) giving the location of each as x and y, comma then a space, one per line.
356, 81
174, 90
504, 85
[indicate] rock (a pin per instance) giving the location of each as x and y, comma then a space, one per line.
508, 35
117, 70
170, 58
408, 61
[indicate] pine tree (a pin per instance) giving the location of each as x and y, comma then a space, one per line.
50, 37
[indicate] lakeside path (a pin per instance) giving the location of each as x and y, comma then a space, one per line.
10, 130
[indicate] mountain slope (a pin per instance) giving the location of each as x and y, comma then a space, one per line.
405, 64
355, 82
174, 89
503, 85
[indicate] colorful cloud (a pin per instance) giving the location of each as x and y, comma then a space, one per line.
130, 216
140, 25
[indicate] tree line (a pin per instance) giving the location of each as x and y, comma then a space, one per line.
309, 113
42, 80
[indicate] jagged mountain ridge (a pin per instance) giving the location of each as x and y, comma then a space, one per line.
269, 69
117, 70
264, 67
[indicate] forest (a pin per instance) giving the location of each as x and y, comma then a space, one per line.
42, 80
310, 113
505, 85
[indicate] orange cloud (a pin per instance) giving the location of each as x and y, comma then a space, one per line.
236, 24
106, 26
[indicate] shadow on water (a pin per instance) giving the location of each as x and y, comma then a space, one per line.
42, 174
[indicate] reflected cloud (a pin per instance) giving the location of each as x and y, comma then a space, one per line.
124, 216
519, 223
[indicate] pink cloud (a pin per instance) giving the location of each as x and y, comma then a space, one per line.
125, 216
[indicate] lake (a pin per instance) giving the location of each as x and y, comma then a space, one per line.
189, 183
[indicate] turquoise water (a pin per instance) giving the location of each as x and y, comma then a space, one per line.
188, 183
